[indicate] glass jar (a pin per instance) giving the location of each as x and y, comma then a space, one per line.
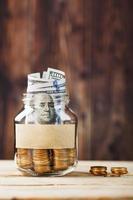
45, 136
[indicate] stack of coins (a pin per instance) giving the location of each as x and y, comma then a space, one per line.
98, 170
23, 158
71, 156
102, 171
44, 161
41, 161
119, 170
61, 159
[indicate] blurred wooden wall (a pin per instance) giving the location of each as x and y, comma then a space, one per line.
91, 40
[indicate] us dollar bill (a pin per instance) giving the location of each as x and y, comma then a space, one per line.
51, 83
55, 74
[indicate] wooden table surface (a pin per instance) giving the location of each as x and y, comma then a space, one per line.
77, 185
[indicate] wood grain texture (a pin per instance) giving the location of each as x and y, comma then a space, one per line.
109, 84
15, 65
77, 185
92, 43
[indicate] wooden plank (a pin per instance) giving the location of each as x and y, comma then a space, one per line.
77, 185
3, 11
16, 61
129, 80
110, 44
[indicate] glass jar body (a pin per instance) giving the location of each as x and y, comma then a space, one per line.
44, 147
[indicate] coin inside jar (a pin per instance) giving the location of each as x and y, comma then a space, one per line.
61, 159
41, 160
23, 158
71, 156
98, 170
119, 170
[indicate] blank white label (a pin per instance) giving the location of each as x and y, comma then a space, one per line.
36, 136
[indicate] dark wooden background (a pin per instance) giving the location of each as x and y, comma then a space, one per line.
91, 40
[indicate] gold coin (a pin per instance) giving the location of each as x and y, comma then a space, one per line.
60, 164
24, 162
40, 155
71, 161
98, 173
60, 167
22, 151
72, 152
40, 152
60, 155
23, 158
61, 159
103, 168
41, 160
72, 156
37, 158
42, 168
119, 170
60, 151
98, 170
113, 175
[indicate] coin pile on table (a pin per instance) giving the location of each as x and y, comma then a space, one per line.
98, 170
119, 170
102, 171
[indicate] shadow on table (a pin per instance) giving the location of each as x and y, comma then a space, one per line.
79, 174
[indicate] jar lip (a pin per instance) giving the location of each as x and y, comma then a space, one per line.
34, 98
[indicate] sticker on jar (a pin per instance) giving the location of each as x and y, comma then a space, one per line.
36, 136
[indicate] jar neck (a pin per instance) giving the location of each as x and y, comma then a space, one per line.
42, 99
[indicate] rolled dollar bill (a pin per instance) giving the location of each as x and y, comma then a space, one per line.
51, 83
52, 80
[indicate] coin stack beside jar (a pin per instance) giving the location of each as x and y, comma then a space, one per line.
119, 171
98, 170
102, 171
